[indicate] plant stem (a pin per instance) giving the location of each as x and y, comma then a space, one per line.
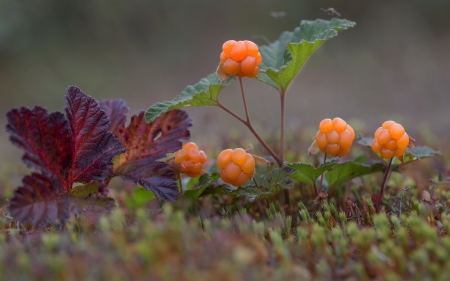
383, 185
245, 101
321, 176
250, 127
282, 140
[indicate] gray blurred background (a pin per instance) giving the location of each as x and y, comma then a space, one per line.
393, 65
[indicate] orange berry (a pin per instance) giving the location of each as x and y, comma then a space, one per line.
187, 146
239, 51
376, 146
333, 149
239, 156
181, 155
252, 48
321, 140
254, 73
387, 124
387, 153
224, 158
241, 179
352, 132
396, 131
248, 64
223, 57
249, 166
258, 58
335, 137
383, 136
339, 124
326, 125
345, 139
344, 152
231, 66
400, 151
203, 156
392, 144
332, 137
377, 132
227, 46
390, 140
232, 171
403, 142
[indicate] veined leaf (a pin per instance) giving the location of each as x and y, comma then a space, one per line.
204, 93
284, 58
146, 143
275, 181
419, 153
204, 182
66, 151
343, 172
307, 173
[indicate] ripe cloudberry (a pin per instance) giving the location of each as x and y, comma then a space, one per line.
335, 137
236, 166
240, 58
191, 159
390, 140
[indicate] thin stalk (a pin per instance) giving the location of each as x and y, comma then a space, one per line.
383, 185
282, 140
249, 125
321, 176
245, 101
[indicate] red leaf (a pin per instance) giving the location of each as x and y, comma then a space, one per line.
35, 202
116, 111
45, 138
79, 149
93, 145
145, 144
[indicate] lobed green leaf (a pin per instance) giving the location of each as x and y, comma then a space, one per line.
204, 93
307, 173
343, 172
284, 58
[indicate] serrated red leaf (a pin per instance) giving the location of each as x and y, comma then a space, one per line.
36, 201
45, 138
116, 111
79, 149
148, 142
93, 145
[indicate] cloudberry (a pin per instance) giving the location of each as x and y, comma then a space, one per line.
240, 58
191, 159
236, 166
335, 137
390, 140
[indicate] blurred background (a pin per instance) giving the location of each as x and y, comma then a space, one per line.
393, 65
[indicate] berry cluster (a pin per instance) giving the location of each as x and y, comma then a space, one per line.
236, 166
191, 159
335, 137
390, 140
240, 58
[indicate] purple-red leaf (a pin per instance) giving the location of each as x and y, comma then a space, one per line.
145, 144
45, 138
36, 201
93, 145
77, 149
116, 111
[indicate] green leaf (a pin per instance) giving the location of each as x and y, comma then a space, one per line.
419, 153
140, 198
275, 181
365, 141
307, 173
204, 93
284, 58
343, 172
204, 182
85, 190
